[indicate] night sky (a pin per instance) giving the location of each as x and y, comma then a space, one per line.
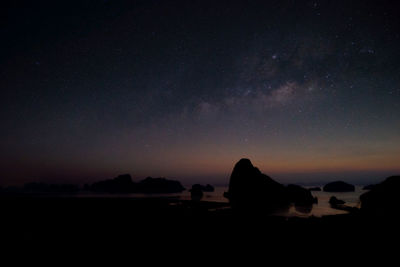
308, 90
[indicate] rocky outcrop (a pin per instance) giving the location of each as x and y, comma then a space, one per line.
208, 188
334, 201
196, 192
300, 196
120, 184
383, 198
341, 205
251, 189
203, 188
339, 186
124, 184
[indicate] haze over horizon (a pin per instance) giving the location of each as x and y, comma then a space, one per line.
308, 90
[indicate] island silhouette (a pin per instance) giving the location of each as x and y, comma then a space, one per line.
53, 213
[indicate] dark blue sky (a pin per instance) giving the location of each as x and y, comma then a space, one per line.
308, 90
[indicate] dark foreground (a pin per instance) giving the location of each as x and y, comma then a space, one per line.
180, 227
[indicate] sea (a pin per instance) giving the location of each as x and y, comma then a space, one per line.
322, 208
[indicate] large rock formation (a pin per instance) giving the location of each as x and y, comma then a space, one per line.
339, 186
124, 184
383, 198
249, 188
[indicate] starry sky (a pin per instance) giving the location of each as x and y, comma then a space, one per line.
308, 90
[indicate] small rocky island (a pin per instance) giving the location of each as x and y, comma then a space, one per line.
196, 192
339, 186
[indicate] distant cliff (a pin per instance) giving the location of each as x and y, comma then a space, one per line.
124, 184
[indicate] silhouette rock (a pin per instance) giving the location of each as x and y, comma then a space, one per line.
249, 189
383, 198
121, 184
124, 184
204, 188
160, 186
196, 192
339, 186
208, 188
300, 196
334, 201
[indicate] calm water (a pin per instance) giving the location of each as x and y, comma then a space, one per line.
320, 209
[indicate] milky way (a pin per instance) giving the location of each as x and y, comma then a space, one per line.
308, 91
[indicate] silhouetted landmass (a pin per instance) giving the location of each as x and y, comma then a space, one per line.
334, 201
383, 198
315, 188
96, 219
124, 184
369, 187
207, 188
121, 184
196, 192
300, 196
159, 185
204, 188
339, 204
339, 186
249, 189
